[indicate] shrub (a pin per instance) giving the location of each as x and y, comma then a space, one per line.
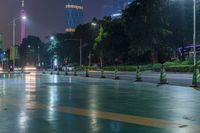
88, 67
198, 62
157, 67
187, 62
177, 62
180, 68
168, 63
120, 68
148, 67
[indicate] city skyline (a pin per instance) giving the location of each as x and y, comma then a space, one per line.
39, 14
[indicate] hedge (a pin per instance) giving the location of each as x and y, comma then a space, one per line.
170, 67
84, 67
120, 68
180, 68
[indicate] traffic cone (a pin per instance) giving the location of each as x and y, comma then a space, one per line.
75, 72
163, 76
116, 74
196, 77
102, 74
87, 72
138, 75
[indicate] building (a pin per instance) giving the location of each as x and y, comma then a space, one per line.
73, 14
119, 6
23, 24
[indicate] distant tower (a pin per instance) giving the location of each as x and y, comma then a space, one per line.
73, 14
23, 24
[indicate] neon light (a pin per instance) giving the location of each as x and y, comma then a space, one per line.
70, 30
74, 7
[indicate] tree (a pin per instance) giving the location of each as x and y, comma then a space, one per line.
146, 26
111, 43
30, 50
99, 44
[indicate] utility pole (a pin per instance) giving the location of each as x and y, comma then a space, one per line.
89, 59
14, 30
80, 52
194, 34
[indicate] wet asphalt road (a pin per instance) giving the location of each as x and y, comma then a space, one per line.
44, 103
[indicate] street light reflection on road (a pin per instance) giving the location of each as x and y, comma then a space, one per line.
30, 68
93, 104
52, 98
30, 82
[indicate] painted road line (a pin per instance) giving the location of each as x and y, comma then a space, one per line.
131, 119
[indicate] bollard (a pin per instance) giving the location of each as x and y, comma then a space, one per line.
102, 74
66, 73
116, 74
75, 72
51, 73
87, 72
138, 74
196, 77
58, 73
163, 76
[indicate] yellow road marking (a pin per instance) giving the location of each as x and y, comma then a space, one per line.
138, 120
131, 119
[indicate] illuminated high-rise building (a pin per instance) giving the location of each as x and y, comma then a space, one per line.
23, 24
119, 6
73, 14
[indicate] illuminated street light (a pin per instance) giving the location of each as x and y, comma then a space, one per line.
24, 17
52, 38
94, 24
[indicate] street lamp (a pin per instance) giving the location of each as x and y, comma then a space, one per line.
196, 70
52, 38
24, 17
94, 24
194, 34
14, 35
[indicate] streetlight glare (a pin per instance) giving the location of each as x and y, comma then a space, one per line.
52, 38
24, 17
94, 24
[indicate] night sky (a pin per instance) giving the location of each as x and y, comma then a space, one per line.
44, 16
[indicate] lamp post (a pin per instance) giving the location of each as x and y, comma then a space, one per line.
194, 34
14, 30
195, 80
80, 52
14, 35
